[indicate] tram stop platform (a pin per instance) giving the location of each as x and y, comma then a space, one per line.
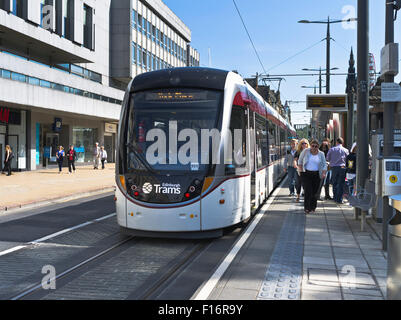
293, 256
29, 189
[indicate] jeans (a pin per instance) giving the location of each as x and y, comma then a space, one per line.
291, 176
71, 164
338, 181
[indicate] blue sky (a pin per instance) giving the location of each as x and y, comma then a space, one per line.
273, 26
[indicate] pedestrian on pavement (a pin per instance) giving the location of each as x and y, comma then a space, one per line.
302, 145
103, 156
96, 156
351, 169
313, 167
289, 165
60, 158
325, 147
336, 158
8, 157
71, 157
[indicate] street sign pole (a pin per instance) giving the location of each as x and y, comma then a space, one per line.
363, 98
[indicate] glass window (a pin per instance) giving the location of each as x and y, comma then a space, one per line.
33, 81
133, 53
139, 55
150, 110
18, 77
134, 17
139, 23
273, 150
45, 84
144, 26
236, 162
6, 74
84, 140
77, 70
262, 151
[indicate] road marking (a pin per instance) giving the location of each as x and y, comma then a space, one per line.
214, 279
2, 253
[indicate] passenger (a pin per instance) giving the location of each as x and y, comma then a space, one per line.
313, 167
103, 155
60, 158
325, 147
289, 165
71, 157
336, 158
96, 156
302, 145
8, 157
351, 169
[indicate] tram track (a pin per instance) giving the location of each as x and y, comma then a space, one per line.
39, 286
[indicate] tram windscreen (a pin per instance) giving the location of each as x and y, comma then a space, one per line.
164, 129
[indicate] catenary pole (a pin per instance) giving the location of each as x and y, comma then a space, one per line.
388, 124
363, 98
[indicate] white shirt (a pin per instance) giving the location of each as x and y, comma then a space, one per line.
313, 163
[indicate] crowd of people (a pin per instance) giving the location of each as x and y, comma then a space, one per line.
312, 166
99, 156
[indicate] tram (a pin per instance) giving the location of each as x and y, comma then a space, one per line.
199, 150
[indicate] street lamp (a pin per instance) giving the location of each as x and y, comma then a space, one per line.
328, 22
320, 75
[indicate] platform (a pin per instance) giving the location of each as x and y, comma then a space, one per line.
293, 256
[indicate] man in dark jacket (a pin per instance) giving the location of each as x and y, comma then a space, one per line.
71, 157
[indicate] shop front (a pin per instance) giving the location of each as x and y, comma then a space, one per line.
13, 133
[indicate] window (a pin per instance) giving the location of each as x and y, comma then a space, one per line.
272, 141
33, 81
18, 8
236, 162
144, 26
134, 19
262, 150
18, 77
140, 56
153, 33
88, 27
133, 53
139, 23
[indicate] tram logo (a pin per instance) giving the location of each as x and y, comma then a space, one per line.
147, 188
165, 188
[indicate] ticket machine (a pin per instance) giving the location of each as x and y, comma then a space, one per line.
391, 176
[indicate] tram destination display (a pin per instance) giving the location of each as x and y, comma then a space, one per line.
327, 102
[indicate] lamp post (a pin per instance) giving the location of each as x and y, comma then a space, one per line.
328, 38
320, 75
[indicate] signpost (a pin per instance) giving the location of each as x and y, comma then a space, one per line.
390, 92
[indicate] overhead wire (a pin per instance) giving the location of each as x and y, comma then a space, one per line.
250, 39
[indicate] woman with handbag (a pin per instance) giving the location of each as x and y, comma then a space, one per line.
313, 168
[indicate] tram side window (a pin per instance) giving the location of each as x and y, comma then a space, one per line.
238, 125
272, 141
262, 151
283, 142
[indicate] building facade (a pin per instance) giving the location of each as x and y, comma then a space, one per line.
63, 73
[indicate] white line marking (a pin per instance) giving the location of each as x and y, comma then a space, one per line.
214, 279
2, 253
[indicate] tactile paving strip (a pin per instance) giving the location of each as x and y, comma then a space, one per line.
284, 274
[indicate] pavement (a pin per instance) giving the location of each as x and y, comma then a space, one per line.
293, 256
23, 190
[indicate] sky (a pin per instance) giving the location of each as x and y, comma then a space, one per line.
283, 45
